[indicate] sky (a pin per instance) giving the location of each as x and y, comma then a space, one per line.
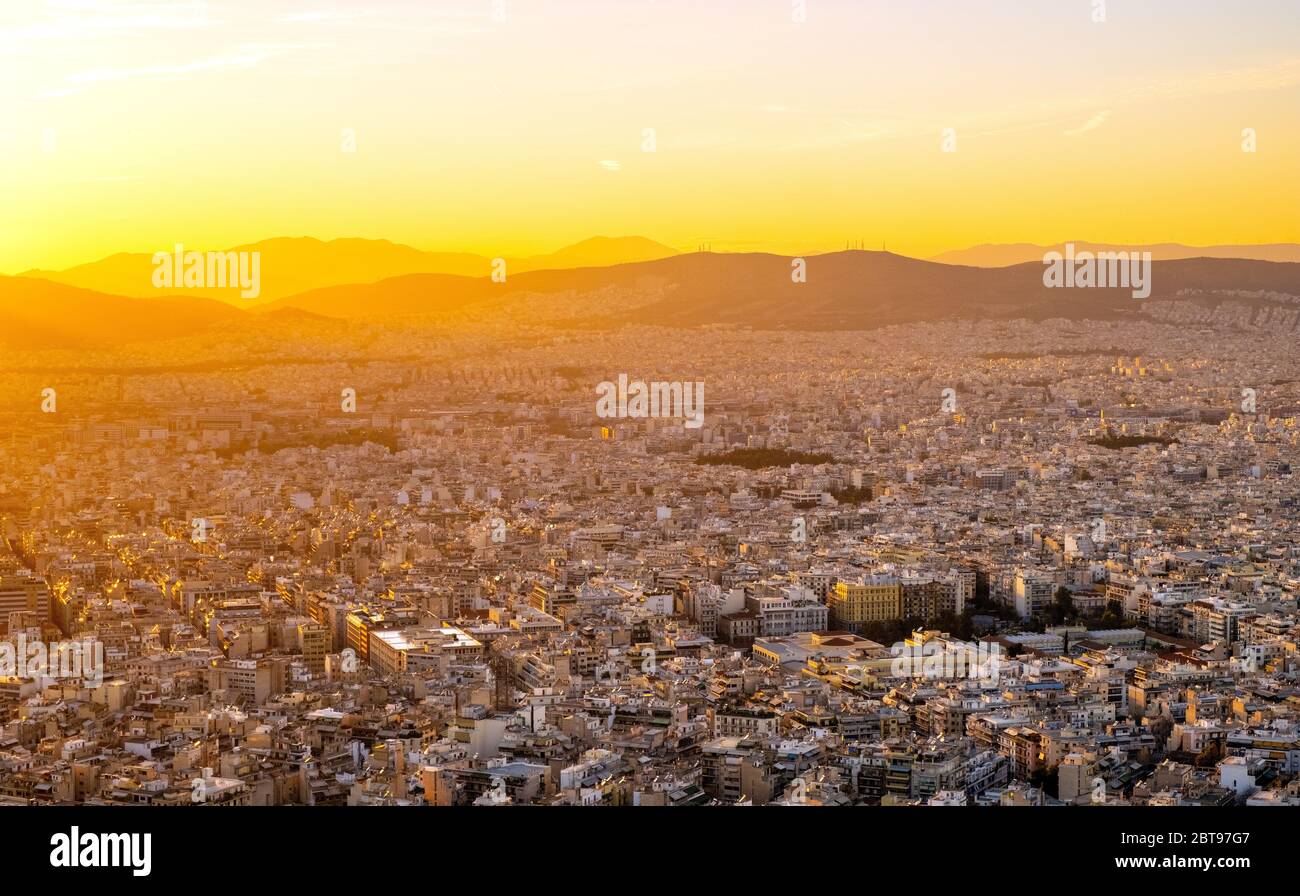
513, 128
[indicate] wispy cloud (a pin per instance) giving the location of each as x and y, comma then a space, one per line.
416, 20
611, 165
246, 56
1091, 124
844, 131
322, 15
64, 20
1267, 76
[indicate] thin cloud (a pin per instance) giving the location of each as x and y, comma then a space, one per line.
1090, 125
321, 15
90, 19
847, 132
247, 56
1269, 76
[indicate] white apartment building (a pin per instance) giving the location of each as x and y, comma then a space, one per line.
793, 609
1032, 591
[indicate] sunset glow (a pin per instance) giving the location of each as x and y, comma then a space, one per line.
131, 126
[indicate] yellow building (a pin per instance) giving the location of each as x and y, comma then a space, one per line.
870, 599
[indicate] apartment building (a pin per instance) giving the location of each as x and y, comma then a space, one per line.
23, 593
1033, 592
864, 600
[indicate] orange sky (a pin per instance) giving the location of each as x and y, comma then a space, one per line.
131, 126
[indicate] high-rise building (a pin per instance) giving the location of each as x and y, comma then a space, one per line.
314, 642
23, 593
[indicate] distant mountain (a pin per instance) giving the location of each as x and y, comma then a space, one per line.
844, 290
292, 265
36, 314
849, 290
598, 251
997, 255
396, 296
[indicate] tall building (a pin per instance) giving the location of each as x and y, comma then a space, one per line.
1033, 592
314, 642
23, 593
868, 599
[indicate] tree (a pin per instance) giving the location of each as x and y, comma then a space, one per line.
1046, 780
1063, 609
1211, 754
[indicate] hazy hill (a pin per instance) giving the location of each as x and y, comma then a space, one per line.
599, 251
396, 296
996, 255
844, 290
40, 314
849, 290
291, 265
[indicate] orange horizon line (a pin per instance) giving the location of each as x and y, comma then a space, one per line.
678, 251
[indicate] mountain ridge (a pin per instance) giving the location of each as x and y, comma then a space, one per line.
987, 255
292, 265
852, 290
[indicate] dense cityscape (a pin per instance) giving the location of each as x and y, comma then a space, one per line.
992, 563
648, 405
